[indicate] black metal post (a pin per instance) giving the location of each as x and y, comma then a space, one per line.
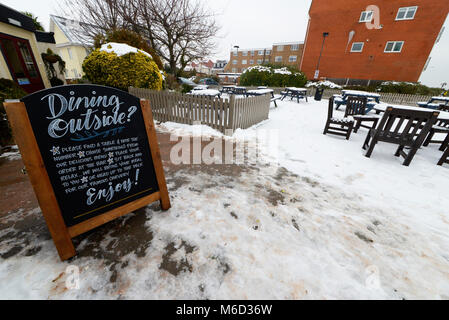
325, 34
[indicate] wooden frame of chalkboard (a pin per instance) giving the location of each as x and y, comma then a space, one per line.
31, 155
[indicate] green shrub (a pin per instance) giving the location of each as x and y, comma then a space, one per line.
409, 88
186, 88
132, 69
273, 76
8, 90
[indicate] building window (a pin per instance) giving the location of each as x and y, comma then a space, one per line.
259, 61
394, 46
406, 13
70, 53
244, 53
357, 47
235, 53
292, 58
252, 53
366, 16
268, 52
234, 61
244, 61
234, 70
294, 47
280, 48
251, 61
260, 53
278, 59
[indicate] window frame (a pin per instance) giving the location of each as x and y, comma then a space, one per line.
366, 15
361, 49
276, 59
394, 45
290, 59
244, 61
280, 48
294, 47
244, 53
407, 9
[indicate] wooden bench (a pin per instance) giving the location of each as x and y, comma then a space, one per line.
338, 126
274, 99
404, 127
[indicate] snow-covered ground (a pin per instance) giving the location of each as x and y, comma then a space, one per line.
326, 223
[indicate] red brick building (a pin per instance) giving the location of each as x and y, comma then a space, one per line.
371, 40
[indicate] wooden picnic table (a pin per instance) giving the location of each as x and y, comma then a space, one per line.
372, 98
293, 92
263, 91
239, 91
228, 89
431, 103
260, 92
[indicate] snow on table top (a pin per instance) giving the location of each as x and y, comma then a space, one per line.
296, 89
382, 107
201, 87
361, 93
205, 92
121, 49
441, 98
261, 91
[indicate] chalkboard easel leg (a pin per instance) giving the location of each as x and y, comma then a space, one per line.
155, 154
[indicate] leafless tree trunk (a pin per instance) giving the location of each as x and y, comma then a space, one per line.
181, 31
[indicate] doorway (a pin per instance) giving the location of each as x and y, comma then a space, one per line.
21, 63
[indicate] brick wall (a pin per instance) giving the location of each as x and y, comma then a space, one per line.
340, 17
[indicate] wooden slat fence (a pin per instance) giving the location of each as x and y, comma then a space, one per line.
220, 114
393, 98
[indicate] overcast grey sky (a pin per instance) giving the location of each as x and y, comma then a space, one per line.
255, 23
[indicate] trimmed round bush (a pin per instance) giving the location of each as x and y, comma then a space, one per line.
121, 72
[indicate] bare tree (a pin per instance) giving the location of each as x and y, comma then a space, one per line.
180, 31
97, 16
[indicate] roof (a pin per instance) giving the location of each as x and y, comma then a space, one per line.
253, 49
287, 43
16, 18
74, 31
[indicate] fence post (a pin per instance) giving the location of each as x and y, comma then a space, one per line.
231, 113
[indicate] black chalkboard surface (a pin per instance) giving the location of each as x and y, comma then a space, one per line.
93, 142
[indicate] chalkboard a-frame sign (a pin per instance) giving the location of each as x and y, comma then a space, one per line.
92, 155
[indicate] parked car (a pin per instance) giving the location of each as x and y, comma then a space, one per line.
209, 82
187, 82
